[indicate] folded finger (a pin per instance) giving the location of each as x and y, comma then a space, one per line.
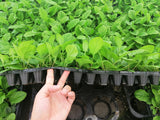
71, 97
65, 90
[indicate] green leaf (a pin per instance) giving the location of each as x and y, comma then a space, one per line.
25, 50
148, 17
108, 6
148, 48
59, 39
102, 30
152, 31
42, 50
154, 102
139, 40
56, 27
2, 97
156, 118
62, 17
17, 97
95, 45
68, 37
84, 60
11, 92
55, 52
12, 116
6, 37
86, 14
132, 14
142, 95
144, 49
154, 111
138, 7
30, 34
72, 51
4, 58
157, 96
3, 20
78, 12
72, 23
153, 56
3, 109
4, 47
142, 32
87, 30
18, 26
158, 21
12, 18
81, 37
118, 41
39, 1
50, 2
150, 41
43, 14
85, 45
3, 83
50, 48
99, 12
109, 66
53, 10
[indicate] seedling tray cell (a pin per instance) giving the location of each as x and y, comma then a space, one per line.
38, 76
24, 77
142, 76
90, 78
104, 79
154, 77
117, 78
10, 79
127, 78
77, 77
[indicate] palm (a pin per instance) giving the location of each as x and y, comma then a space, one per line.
58, 105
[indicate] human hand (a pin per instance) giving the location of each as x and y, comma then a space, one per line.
53, 102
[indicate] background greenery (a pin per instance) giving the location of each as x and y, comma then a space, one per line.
151, 96
92, 34
9, 97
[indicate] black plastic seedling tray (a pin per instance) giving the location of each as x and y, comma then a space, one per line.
37, 75
93, 102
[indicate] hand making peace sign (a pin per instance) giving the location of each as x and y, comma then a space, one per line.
53, 102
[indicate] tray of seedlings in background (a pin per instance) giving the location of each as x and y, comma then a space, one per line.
91, 77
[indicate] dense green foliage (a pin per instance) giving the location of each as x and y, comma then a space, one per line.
151, 96
98, 34
8, 100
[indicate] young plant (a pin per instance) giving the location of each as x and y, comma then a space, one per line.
8, 100
151, 96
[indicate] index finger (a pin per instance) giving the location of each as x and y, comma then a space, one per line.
63, 78
50, 77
